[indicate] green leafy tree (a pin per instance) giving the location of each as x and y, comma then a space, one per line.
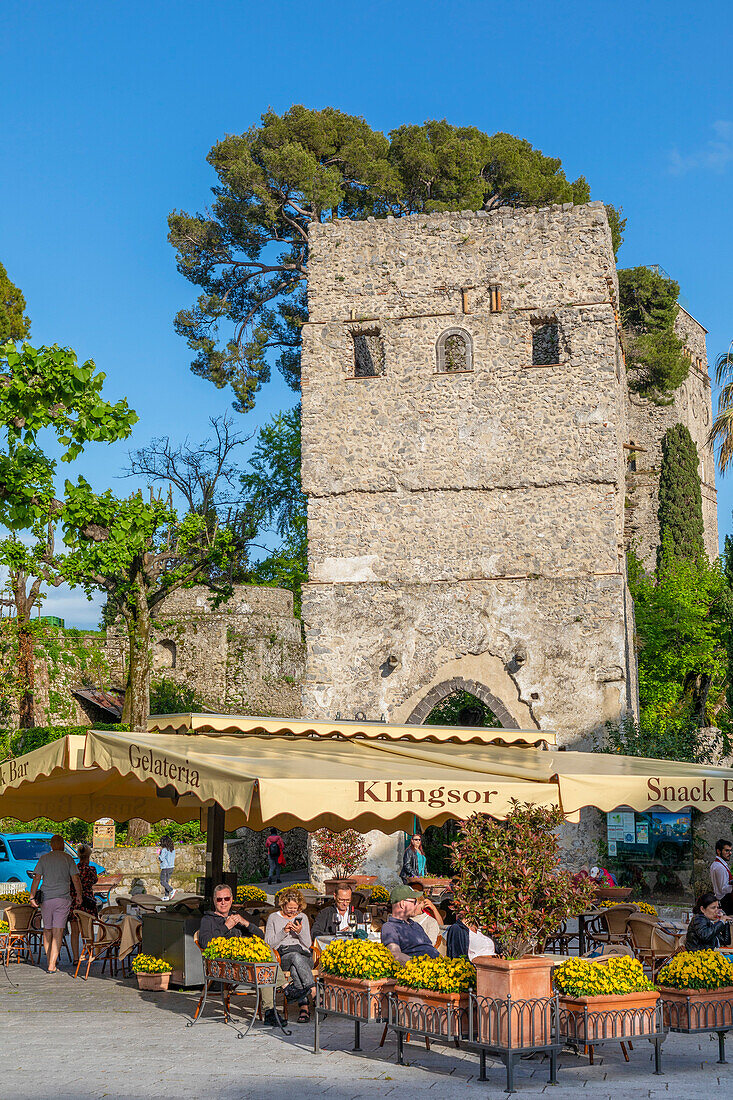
14, 324
168, 697
654, 354
274, 489
681, 528
138, 552
508, 880
249, 255
683, 621
462, 709
43, 390
721, 433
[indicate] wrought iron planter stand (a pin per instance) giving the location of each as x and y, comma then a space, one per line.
596, 1027
699, 1015
503, 1029
229, 974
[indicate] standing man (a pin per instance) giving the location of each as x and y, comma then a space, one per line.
58, 871
274, 848
720, 874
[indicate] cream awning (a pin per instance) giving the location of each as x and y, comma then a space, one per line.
289, 782
368, 783
384, 731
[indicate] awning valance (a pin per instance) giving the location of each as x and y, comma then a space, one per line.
233, 724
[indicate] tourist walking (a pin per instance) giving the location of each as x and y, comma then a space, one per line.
88, 879
167, 858
56, 870
275, 850
414, 864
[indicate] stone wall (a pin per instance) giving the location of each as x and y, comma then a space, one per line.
143, 863
692, 406
245, 657
246, 855
467, 518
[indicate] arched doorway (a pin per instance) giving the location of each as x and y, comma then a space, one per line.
457, 689
458, 708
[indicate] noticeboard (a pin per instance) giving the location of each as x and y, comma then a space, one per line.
103, 833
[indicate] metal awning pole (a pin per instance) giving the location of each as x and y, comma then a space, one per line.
214, 847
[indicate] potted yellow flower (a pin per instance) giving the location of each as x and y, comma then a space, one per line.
239, 959
357, 975
432, 995
151, 973
591, 988
697, 990
251, 893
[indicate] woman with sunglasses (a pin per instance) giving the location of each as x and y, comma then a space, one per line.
413, 861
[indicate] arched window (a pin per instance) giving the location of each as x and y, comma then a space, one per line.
165, 655
454, 351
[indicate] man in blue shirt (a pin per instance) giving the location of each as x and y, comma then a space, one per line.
402, 936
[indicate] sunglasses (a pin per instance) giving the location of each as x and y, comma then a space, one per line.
221, 897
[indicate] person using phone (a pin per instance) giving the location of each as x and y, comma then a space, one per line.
709, 927
288, 932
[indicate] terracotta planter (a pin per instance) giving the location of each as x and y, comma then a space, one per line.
591, 1020
229, 970
613, 893
524, 980
156, 982
521, 979
443, 1014
697, 1009
356, 996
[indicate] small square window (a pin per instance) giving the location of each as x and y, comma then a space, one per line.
368, 353
545, 343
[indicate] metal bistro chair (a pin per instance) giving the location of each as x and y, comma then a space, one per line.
99, 941
651, 946
228, 990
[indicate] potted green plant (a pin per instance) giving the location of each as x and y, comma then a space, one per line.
151, 973
432, 995
357, 976
509, 884
616, 985
697, 990
341, 853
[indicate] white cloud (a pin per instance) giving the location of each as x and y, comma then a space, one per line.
714, 156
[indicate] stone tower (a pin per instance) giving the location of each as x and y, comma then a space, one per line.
465, 444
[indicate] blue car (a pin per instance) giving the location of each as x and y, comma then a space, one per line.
20, 852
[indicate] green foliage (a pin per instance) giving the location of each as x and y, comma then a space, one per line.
508, 878
188, 833
721, 434
681, 530
18, 742
74, 829
462, 709
14, 325
249, 254
667, 736
272, 485
46, 389
683, 617
654, 354
168, 697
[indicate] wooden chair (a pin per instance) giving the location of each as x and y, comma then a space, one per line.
610, 925
23, 932
99, 941
651, 946
559, 942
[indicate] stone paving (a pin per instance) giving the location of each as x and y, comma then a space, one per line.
103, 1038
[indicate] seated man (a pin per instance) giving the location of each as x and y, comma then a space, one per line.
335, 918
402, 936
222, 922
466, 940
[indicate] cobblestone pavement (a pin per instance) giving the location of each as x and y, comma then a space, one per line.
103, 1038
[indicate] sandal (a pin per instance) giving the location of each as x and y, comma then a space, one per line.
304, 1015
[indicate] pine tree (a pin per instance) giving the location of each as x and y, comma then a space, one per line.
680, 499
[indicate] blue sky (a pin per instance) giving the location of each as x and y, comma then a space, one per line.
109, 110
